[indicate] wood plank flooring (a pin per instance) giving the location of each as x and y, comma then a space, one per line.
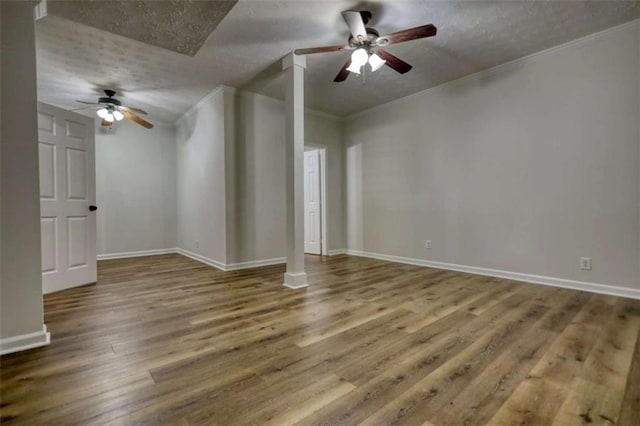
168, 340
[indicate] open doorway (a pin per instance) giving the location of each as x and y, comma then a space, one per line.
315, 229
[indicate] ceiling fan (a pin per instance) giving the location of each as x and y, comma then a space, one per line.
110, 109
366, 43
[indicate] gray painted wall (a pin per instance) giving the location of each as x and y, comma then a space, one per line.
260, 176
524, 168
231, 177
20, 276
200, 144
136, 187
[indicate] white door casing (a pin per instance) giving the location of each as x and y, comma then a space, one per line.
67, 189
312, 219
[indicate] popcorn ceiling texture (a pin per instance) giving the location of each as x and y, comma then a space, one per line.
178, 25
76, 61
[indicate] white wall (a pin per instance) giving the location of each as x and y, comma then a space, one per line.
524, 168
260, 176
200, 143
21, 310
136, 187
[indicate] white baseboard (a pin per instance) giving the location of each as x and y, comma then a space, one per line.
535, 279
255, 263
140, 253
336, 252
295, 280
195, 256
200, 258
231, 266
25, 341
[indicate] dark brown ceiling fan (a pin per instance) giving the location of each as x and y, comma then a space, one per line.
367, 45
110, 110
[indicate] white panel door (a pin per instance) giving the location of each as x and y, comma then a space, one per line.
312, 240
67, 198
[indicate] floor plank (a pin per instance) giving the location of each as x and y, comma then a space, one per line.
168, 340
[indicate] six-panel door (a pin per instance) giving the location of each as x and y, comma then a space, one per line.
67, 189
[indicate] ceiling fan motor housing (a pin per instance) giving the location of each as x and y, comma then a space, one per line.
372, 35
111, 101
110, 98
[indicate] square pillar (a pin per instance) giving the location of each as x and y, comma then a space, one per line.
293, 67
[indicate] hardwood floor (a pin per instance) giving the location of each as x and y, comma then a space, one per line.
167, 340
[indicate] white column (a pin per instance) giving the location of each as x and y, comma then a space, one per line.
293, 67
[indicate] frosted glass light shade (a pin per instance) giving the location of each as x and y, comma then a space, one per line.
102, 112
358, 58
376, 62
109, 117
118, 115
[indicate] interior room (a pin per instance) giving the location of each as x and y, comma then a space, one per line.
244, 212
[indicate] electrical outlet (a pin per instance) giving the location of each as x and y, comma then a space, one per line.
585, 263
197, 244
427, 244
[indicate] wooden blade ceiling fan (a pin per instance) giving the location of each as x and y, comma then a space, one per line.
111, 109
367, 45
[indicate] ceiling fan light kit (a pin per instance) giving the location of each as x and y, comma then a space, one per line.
366, 43
359, 57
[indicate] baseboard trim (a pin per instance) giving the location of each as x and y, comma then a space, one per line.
337, 252
517, 276
256, 263
195, 256
126, 254
295, 280
25, 341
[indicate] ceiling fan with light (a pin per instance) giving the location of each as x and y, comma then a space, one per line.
110, 109
366, 43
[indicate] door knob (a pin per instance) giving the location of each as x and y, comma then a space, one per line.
93, 208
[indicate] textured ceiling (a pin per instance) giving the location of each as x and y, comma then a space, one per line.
178, 25
76, 61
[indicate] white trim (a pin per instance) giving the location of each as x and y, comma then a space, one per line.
198, 104
295, 280
323, 114
323, 201
336, 252
231, 266
292, 59
483, 73
255, 263
248, 94
25, 341
126, 254
322, 150
632, 293
40, 10
203, 259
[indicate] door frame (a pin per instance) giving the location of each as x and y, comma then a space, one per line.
322, 150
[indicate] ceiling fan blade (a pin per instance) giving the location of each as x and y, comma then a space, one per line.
106, 123
88, 103
353, 18
323, 49
394, 62
407, 35
343, 74
139, 120
138, 110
